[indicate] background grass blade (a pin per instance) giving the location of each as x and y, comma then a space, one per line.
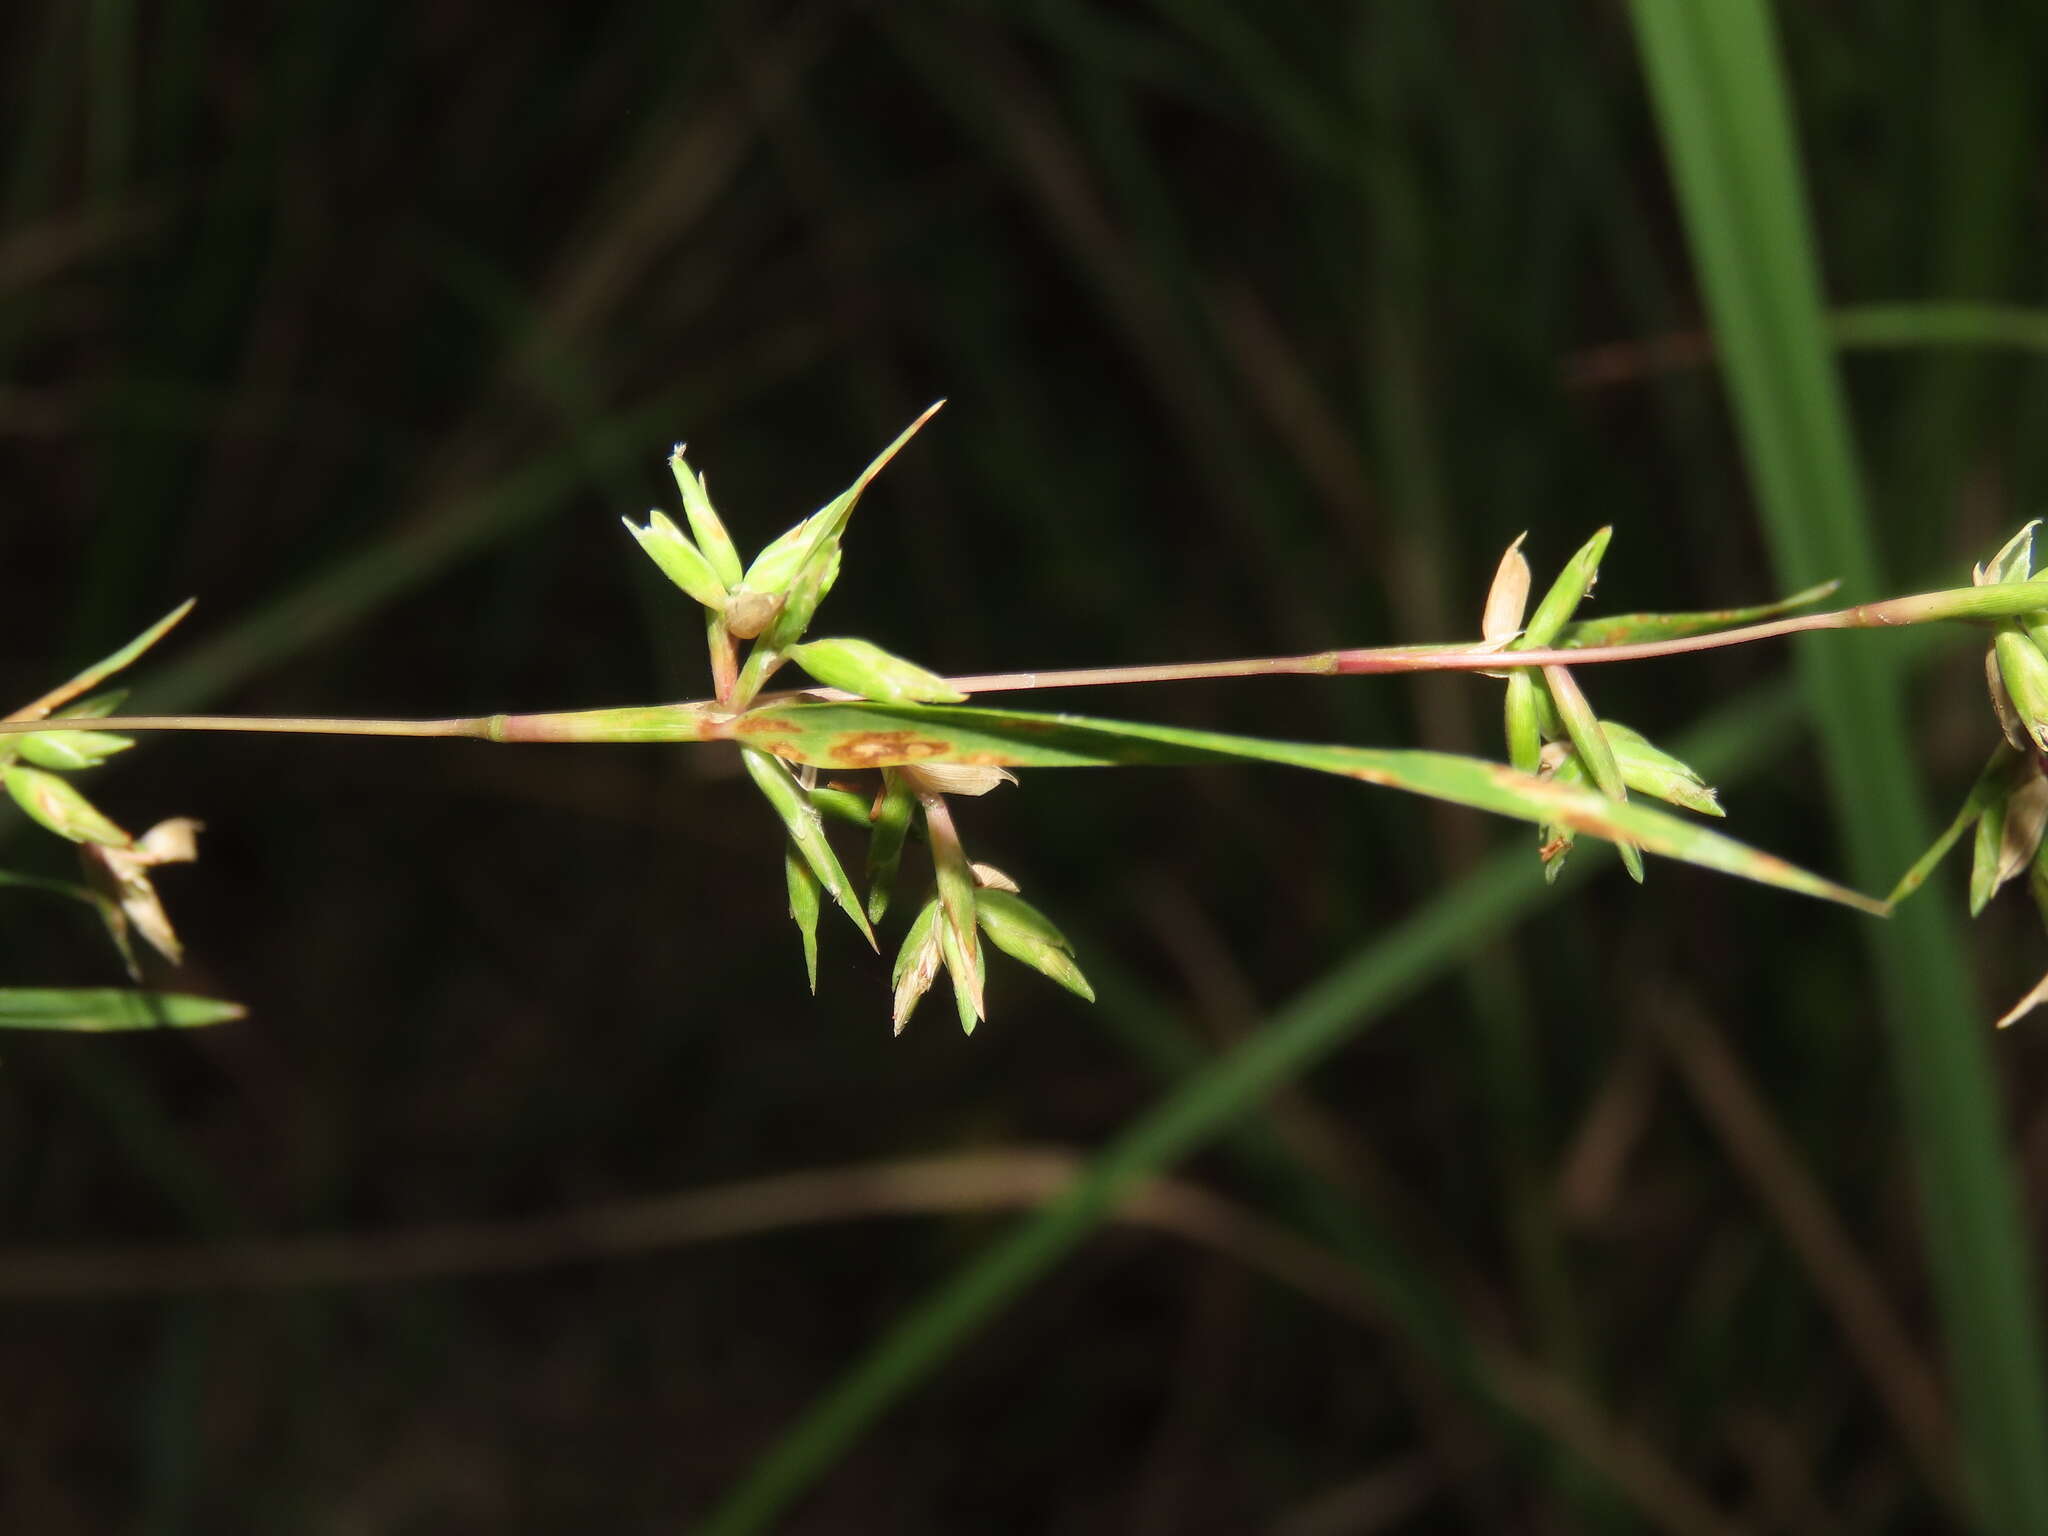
1720, 98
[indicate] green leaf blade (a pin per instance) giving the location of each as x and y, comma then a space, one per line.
867, 735
1636, 628
96, 1010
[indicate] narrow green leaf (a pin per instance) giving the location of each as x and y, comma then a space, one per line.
1216, 1092
777, 566
58, 805
705, 523
94, 1009
862, 667
868, 735
1632, 628
834, 515
1590, 742
803, 905
889, 825
2000, 775
803, 564
806, 829
680, 560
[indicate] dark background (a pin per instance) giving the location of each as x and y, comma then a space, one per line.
1264, 329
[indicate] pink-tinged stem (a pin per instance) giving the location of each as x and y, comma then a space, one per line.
1964, 603
654, 722
708, 720
289, 725
1395, 659
1471, 659
725, 666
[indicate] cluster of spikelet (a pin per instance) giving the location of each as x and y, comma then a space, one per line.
769, 605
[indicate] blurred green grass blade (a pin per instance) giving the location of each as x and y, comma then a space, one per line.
1716, 85
94, 1009
1206, 1103
359, 583
856, 735
1938, 324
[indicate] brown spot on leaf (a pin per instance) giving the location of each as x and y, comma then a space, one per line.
879, 749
